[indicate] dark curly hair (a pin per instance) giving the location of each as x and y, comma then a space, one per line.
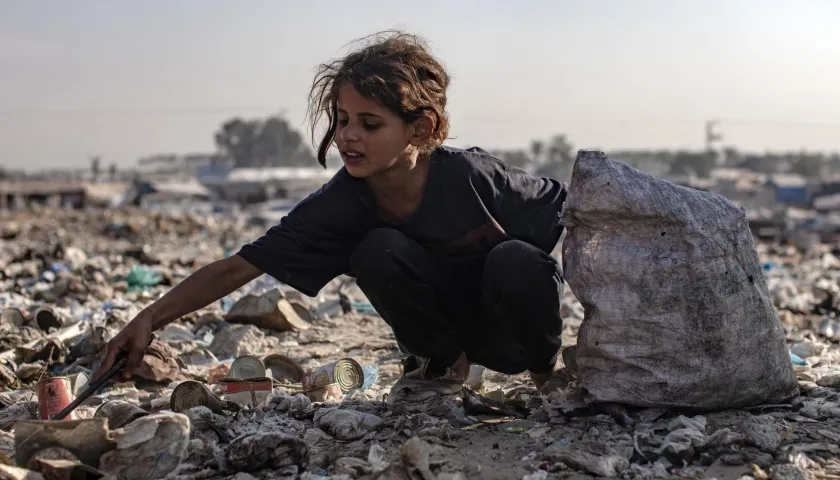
392, 67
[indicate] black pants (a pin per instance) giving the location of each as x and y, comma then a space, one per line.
502, 310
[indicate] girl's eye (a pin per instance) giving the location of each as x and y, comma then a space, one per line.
370, 126
342, 121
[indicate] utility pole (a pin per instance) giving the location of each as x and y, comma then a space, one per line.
712, 137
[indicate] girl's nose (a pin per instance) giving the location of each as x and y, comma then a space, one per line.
349, 133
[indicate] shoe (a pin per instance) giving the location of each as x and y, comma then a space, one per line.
549, 382
418, 382
422, 373
414, 392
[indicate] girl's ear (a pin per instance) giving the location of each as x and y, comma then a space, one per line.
421, 130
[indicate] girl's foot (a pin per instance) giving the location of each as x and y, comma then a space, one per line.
423, 390
457, 372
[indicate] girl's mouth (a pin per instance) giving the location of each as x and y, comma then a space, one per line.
352, 156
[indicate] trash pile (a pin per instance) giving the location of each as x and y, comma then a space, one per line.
270, 384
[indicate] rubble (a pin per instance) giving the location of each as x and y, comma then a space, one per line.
594, 457
346, 424
268, 450
99, 269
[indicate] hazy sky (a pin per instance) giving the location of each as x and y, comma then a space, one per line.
125, 78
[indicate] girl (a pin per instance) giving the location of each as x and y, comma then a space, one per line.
450, 246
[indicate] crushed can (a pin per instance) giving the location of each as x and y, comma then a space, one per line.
119, 413
247, 367
54, 395
346, 373
246, 392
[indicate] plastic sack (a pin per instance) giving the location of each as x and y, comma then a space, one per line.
677, 311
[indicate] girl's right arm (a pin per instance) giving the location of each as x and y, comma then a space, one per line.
205, 286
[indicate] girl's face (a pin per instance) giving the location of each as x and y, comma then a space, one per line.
370, 138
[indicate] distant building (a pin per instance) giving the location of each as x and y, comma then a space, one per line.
827, 203
58, 193
790, 188
828, 185
174, 166
743, 187
158, 192
254, 185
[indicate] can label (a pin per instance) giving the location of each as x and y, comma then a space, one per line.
246, 392
54, 394
346, 373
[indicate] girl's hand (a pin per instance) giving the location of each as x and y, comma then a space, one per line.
133, 339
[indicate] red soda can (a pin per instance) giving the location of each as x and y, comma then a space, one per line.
54, 394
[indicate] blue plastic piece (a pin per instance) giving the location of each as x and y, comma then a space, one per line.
371, 376
227, 304
58, 267
362, 307
796, 360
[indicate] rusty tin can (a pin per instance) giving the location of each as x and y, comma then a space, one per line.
13, 316
246, 392
54, 394
247, 367
346, 373
47, 318
119, 413
190, 394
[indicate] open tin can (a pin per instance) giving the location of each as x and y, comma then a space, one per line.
247, 367
283, 369
346, 373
